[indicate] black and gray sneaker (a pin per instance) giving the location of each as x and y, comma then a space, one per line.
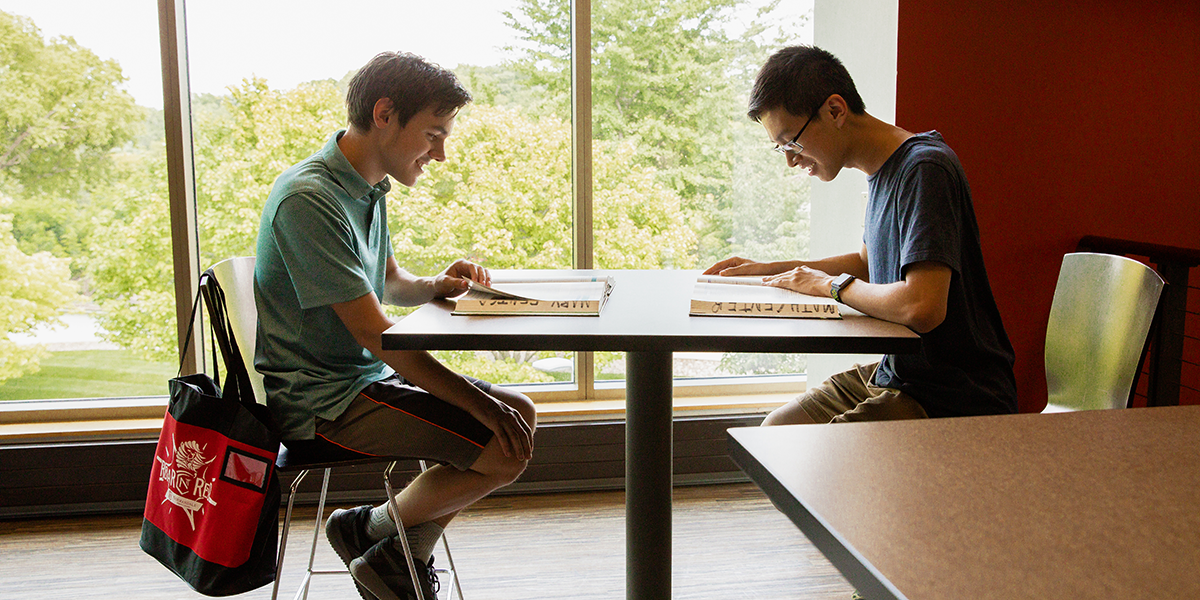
430, 581
384, 572
346, 530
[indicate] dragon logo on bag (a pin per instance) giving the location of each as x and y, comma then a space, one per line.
186, 476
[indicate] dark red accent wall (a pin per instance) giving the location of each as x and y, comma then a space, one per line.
1072, 119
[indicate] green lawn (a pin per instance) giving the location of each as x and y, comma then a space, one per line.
91, 374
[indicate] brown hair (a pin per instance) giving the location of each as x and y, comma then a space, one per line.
409, 81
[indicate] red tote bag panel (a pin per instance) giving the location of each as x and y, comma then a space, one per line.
207, 491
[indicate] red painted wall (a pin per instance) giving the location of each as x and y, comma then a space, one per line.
1071, 118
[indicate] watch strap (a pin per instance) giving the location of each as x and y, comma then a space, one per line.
839, 284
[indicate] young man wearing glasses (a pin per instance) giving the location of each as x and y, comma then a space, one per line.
324, 266
920, 264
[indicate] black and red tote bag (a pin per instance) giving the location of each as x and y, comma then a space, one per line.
212, 508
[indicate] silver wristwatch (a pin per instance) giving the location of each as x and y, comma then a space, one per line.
839, 283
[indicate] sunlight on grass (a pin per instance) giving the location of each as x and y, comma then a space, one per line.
91, 374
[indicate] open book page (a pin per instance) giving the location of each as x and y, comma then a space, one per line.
536, 296
743, 280
744, 298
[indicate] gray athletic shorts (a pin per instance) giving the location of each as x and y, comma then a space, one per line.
850, 396
393, 418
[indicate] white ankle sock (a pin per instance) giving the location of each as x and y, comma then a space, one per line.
422, 538
381, 524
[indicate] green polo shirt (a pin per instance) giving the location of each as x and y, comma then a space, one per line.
323, 239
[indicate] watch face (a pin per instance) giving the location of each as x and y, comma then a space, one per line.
840, 282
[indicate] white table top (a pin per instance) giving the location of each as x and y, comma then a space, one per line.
648, 311
1100, 504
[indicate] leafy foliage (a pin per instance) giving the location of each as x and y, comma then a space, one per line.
670, 79
504, 198
505, 202
243, 144
681, 178
483, 366
130, 262
32, 290
61, 114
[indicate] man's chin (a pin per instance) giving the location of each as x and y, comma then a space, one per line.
826, 176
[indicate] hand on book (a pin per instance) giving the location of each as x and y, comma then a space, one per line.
804, 280
453, 281
737, 266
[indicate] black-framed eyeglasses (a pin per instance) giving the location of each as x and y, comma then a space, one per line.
792, 146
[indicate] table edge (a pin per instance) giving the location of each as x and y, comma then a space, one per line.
859, 571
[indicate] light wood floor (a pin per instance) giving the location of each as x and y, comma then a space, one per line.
729, 542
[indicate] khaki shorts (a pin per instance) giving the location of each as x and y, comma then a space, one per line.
850, 396
395, 419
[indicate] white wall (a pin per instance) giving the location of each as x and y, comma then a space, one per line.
862, 33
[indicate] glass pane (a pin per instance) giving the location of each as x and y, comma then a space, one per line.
266, 98
610, 366
682, 177
87, 303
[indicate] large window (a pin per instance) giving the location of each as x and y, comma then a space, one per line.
681, 178
678, 176
86, 298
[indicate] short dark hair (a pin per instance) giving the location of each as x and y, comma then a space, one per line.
800, 79
409, 81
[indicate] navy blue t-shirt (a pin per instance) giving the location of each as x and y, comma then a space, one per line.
919, 210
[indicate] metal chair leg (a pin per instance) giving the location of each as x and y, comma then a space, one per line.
455, 585
394, 511
287, 522
302, 593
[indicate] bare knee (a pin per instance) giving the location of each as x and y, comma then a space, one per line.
506, 471
511, 471
518, 401
501, 470
788, 414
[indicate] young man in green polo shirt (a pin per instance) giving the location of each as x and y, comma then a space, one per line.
324, 266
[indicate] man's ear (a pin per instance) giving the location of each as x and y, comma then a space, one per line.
838, 110
383, 111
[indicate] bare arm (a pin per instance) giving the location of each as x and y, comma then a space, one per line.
853, 263
402, 288
918, 301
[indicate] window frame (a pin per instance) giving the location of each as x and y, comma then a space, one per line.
834, 17
184, 208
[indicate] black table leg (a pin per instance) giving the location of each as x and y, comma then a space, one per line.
648, 475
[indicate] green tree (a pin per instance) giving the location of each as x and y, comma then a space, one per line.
242, 142
62, 113
130, 262
503, 198
660, 77
672, 78
32, 290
